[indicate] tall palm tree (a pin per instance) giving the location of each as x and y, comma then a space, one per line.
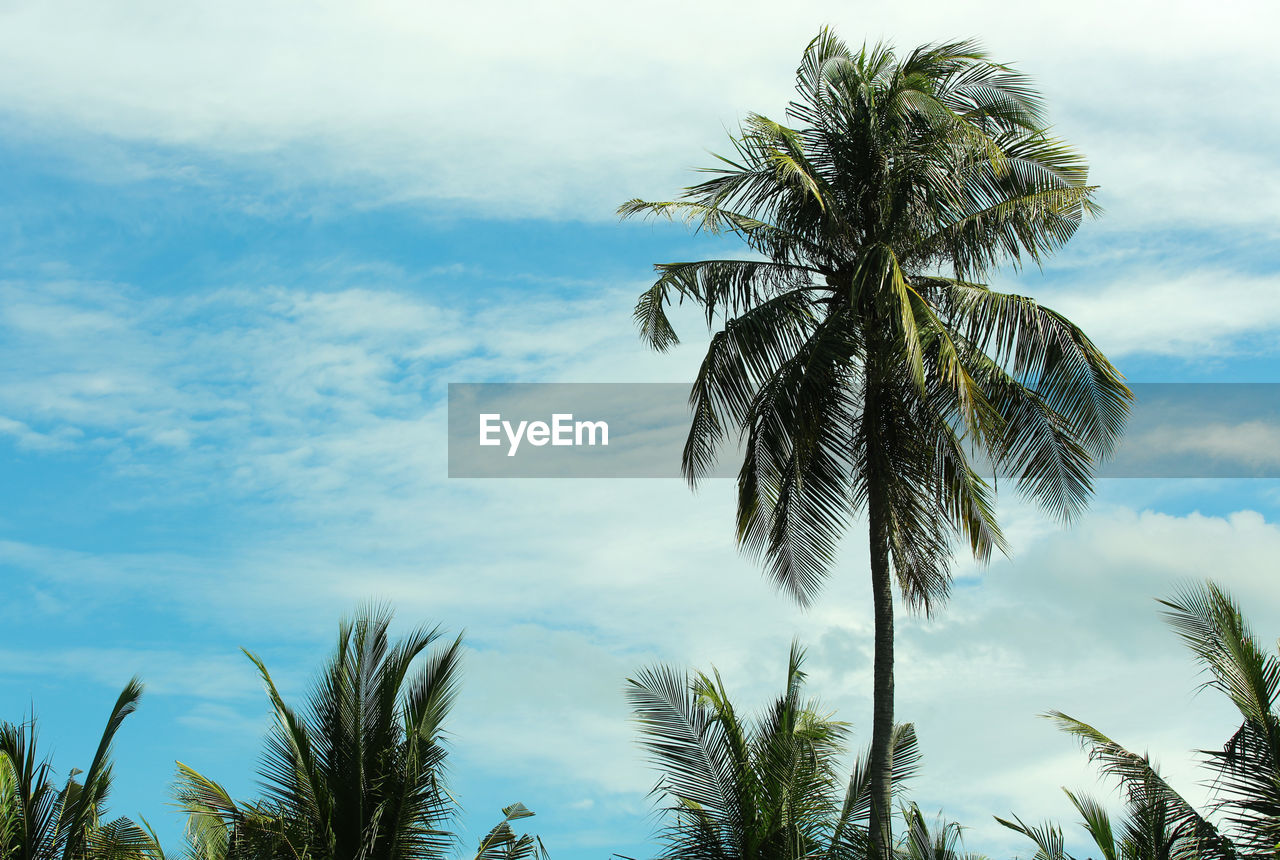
1244, 821
357, 773
763, 789
40, 820
858, 356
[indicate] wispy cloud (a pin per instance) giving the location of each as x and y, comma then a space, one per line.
175, 672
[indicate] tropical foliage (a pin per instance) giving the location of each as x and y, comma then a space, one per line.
858, 355
359, 766
1147, 830
357, 772
40, 820
758, 789
1159, 824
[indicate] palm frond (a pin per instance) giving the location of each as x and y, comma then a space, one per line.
1047, 838
1144, 787
1098, 823
1212, 625
86, 804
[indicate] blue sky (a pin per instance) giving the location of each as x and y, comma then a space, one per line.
245, 249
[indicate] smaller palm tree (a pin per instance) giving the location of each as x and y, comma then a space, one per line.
920, 841
1159, 823
761, 789
357, 773
41, 821
1150, 828
503, 843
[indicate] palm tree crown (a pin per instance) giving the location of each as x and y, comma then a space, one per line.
859, 351
354, 774
754, 789
358, 773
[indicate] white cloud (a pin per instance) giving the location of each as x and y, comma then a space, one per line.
295, 380
218, 720
35, 441
569, 107
1249, 443
176, 672
1200, 313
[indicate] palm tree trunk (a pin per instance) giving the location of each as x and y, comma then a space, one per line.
881, 760
881, 763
